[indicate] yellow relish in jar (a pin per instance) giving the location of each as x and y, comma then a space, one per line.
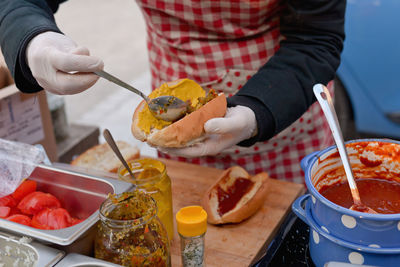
130, 233
151, 176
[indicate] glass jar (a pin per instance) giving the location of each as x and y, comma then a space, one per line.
130, 233
151, 176
192, 226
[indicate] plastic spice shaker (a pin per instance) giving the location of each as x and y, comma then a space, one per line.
192, 226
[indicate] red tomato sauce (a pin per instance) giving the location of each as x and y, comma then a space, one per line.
381, 195
228, 199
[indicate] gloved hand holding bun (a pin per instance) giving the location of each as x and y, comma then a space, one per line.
188, 130
238, 124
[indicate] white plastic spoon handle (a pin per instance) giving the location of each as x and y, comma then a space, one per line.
325, 100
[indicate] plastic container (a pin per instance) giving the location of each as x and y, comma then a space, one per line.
192, 226
130, 233
23, 251
151, 176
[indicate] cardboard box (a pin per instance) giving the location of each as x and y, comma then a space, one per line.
25, 117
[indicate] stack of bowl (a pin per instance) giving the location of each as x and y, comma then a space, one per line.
341, 234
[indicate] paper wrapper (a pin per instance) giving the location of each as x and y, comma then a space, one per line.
17, 162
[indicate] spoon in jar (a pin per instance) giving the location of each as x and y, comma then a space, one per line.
325, 100
110, 140
167, 107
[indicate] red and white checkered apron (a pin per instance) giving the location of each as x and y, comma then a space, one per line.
221, 44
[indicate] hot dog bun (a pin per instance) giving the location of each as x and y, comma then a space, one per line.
225, 205
102, 158
184, 132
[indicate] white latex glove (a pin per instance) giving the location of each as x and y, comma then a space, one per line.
238, 124
54, 57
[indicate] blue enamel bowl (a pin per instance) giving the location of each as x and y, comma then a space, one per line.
371, 230
325, 246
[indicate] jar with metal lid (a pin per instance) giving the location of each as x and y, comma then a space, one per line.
130, 233
192, 226
151, 176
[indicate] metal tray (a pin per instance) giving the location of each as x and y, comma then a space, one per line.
16, 251
77, 260
81, 194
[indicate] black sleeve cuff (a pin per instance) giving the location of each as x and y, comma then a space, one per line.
264, 118
20, 22
24, 79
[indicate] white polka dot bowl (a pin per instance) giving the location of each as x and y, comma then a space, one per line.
325, 247
324, 168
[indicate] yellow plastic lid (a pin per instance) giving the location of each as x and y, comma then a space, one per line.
191, 221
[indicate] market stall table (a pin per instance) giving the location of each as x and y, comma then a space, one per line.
234, 244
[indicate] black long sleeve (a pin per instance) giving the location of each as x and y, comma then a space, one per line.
281, 91
20, 21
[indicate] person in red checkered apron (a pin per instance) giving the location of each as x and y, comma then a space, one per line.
265, 55
222, 45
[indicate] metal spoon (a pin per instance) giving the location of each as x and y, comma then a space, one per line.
110, 140
325, 100
167, 108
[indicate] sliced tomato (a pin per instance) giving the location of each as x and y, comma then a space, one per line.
75, 221
51, 219
26, 187
14, 210
8, 201
37, 201
4, 212
20, 218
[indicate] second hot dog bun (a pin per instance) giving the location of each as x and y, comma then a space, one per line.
102, 158
235, 196
184, 132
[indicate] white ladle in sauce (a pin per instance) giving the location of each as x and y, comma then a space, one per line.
325, 100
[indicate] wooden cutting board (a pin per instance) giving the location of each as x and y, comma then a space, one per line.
235, 244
